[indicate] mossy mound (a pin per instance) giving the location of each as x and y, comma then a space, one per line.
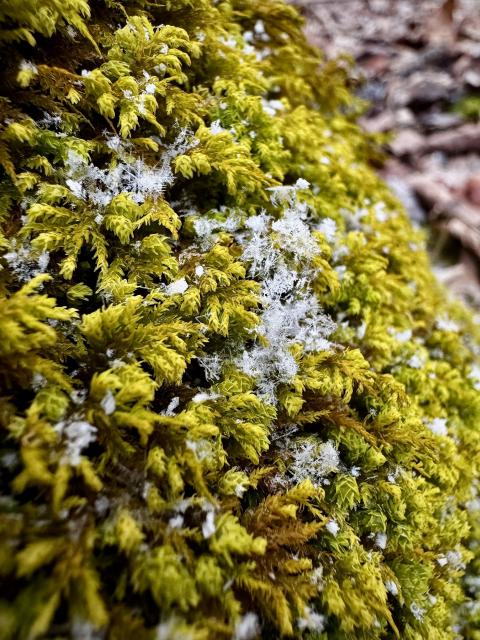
234, 401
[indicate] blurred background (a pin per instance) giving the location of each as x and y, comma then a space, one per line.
417, 62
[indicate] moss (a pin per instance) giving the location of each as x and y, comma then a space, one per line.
234, 400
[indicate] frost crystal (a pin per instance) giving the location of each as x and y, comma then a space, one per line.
311, 620
329, 229
108, 403
403, 336
446, 324
216, 127
438, 426
281, 254
79, 434
28, 66
332, 527
381, 540
391, 587
475, 377
313, 461
416, 361
208, 527
179, 286
172, 405
139, 180
176, 522
84, 630
38, 381
291, 313
212, 366
23, 264
247, 627
203, 397
417, 611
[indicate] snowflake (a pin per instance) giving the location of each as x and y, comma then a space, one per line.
208, 527
141, 181
311, 620
329, 229
108, 403
332, 527
313, 460
381, 540
178, 286
25, 65
391, 587
79, 434
247, 627
438, 426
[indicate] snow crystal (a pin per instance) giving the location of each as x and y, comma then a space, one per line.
208, 527
317, 577
150, 88
287, 193
199, 270
50, 120
403, 336
114, 142
240, 490
38, 381
438, 426
84, 630
391, 587
332, 527
172, 405
247, 627
102, 504
108, 403
329, 229
176, 522
417, 611
381, 540
302, 184
71, 32
474, 375
212, 366
361, 330
139, 180
172, 629
28, 66
205, 228
78, 396
295, 235
446, 324
271, 107
280, 253
79, 434
22, 262
416, 361
179, 286
380, 212
311, 620
313, 461
442, 561
203, 397
216, 127
201, 448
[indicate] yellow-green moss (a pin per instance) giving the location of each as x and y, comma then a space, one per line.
234, 401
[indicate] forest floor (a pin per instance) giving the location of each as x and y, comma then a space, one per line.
417, 62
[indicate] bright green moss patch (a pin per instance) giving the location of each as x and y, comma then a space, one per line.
234, 401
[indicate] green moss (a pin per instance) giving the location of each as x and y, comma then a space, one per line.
234, 400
